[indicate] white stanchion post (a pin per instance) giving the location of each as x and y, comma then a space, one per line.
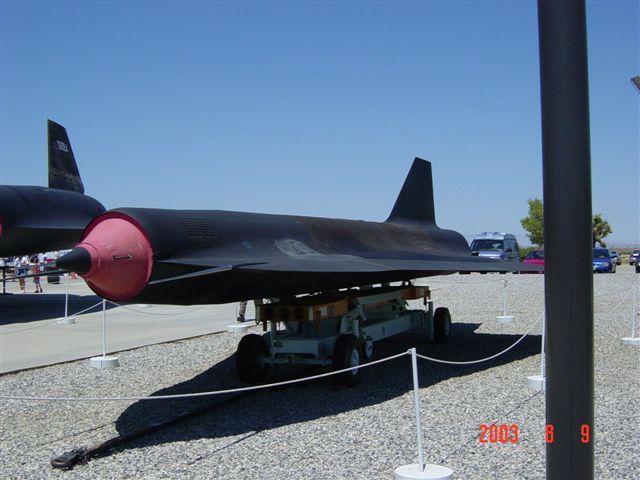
104, 361
633, 340
66, 295
504, 318
66, 320
416, 400
420, 470
104, 328
536, 382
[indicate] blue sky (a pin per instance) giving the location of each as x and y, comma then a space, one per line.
311, 108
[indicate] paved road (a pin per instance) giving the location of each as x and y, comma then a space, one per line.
31, 335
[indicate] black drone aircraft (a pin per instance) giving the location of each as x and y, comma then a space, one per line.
211, 256
40, 219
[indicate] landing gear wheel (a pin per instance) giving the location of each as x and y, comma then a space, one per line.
441, 325
251, 350
347, 352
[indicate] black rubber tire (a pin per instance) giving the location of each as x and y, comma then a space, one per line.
441, 325
347, 352
251, 349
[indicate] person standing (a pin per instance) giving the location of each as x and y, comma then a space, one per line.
36, 271
242, 309
22, 270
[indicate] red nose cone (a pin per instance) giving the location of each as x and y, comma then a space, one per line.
121, 256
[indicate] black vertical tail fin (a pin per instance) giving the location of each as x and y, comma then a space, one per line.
415, 202
63, 171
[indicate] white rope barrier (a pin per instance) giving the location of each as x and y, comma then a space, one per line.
472, 362
614, 292
437, 288
211, 393
51, 323
152, 313
87, 309
30, 328
268, 385
54, 322
620, 304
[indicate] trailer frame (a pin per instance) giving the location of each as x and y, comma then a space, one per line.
305, 330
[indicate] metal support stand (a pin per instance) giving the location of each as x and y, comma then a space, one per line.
504, 318
633, 340
420, 470
537, 382
104, 361
66, 320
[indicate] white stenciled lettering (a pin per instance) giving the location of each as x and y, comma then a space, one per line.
62, 146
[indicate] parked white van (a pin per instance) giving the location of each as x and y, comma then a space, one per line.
501, 246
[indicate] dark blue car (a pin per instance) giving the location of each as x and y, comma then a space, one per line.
603, 261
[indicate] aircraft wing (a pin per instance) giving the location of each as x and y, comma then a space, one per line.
358, 264
355, 264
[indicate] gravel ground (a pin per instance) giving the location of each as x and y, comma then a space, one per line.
319, 430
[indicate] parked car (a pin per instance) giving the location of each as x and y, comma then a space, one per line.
616, 257
633, 258
534, 257
501, 246
602, 261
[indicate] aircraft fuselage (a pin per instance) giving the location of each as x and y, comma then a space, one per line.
37, 219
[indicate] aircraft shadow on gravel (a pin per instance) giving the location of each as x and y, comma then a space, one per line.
315, 399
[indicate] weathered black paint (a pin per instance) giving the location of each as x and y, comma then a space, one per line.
39, 219
567, 221
63, 170
284, 255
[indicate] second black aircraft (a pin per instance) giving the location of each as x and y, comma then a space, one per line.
40, 219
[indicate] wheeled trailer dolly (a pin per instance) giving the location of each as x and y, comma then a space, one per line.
337, 329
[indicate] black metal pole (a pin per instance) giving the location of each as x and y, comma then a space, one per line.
568, 235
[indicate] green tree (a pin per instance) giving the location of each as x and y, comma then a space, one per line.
533, 223
601, 229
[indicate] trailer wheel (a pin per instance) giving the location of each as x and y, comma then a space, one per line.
347, 352
441, 325
251, 349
